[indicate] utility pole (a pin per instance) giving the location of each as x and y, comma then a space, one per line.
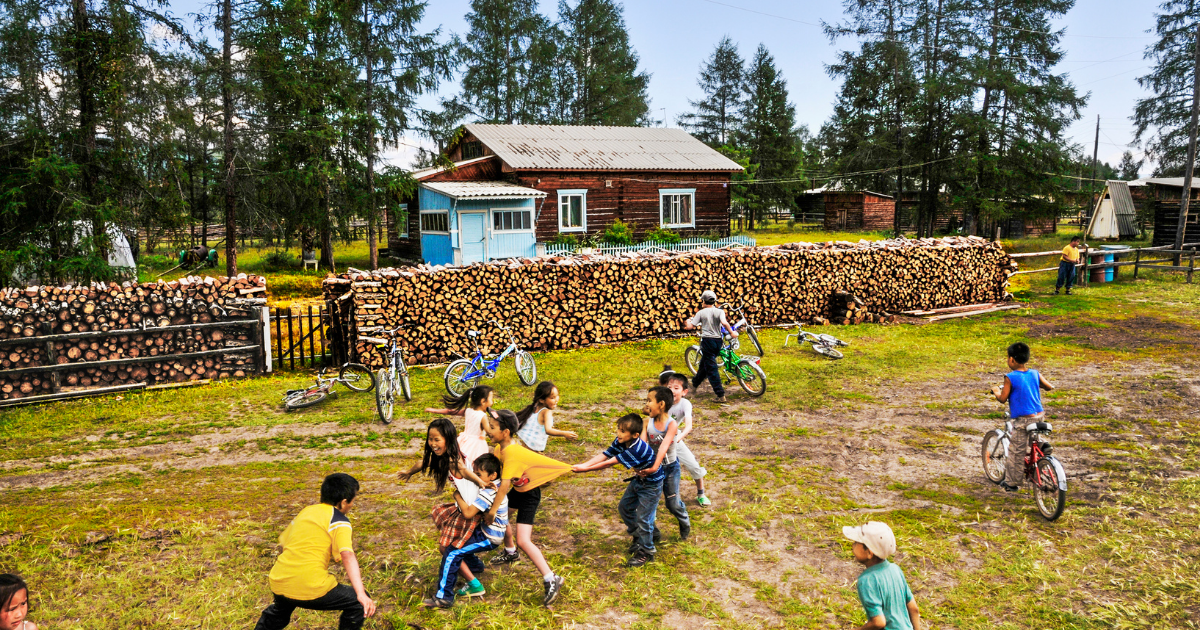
1092, 184
1191, 156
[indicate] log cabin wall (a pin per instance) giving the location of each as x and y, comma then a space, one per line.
630, 196
843, 211
95, 318
877, 213
568, 302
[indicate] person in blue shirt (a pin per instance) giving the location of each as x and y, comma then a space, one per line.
1022, 391
639, 504
882, 588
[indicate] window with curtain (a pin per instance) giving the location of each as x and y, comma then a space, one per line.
572, 211
677, 208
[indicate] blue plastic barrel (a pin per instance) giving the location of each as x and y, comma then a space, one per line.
1110, 273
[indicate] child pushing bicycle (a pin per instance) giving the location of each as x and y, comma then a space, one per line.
712, 323
1022, 391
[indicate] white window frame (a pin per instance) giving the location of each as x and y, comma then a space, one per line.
494, 212
580, 192
421, 223
690, 192
402, 226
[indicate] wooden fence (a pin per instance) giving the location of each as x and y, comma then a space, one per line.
300, 337
1181, 260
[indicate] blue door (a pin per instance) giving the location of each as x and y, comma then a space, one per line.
472, 238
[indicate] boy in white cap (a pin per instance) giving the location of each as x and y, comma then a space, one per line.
882, 589
712, 324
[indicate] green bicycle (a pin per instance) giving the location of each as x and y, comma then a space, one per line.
746, 370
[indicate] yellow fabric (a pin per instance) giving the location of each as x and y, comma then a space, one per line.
1070, 254
520, 462
317, 535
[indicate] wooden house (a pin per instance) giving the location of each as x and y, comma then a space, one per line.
513, 186
850, 211
1162, 197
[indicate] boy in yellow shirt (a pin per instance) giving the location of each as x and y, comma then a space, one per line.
1066, 266
300, 578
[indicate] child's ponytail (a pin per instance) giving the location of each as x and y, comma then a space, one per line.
472, 398
543, 391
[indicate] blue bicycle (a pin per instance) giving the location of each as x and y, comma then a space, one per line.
463, 374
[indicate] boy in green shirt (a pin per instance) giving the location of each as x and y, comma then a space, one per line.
299, 578
882, 589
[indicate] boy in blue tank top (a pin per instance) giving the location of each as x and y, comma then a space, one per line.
1022, 392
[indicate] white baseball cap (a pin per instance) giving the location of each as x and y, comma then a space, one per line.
708, 296
878, 537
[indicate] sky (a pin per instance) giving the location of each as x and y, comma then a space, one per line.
1104, 44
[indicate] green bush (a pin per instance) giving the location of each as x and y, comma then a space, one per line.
664, 236
619, 233
278, 260
566, 239
156, 261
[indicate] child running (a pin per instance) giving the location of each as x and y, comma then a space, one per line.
525, 472
882, 588
14, 603
441, 458
660, 433
639, 504
534, 434
484, 537
299, 578
1022, 393
473, 404
681, 411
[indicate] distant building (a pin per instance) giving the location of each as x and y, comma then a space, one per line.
1161, 197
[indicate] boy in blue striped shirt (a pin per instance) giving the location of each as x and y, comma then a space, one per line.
639, 505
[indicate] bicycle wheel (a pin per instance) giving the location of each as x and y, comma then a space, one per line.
305, 398
385, 396
758, 349
1051, 499
357, 377
691, 357
405, 386
455, 383
828, 351
992, 453
526, 368
751, 377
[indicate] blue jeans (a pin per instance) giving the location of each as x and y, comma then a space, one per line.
670, 494
448, 573
638, 507
1066, 275
710, 350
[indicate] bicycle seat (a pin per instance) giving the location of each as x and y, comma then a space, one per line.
472, 333
1041, 427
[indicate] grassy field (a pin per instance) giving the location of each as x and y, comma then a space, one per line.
161, 509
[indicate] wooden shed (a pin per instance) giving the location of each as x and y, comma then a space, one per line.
859, 210
1164, 195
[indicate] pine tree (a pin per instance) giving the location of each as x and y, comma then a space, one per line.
716, 115
602, 85
768, 134
1129, 167
1161, 120
506, 55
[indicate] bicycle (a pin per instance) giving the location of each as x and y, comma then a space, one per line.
1042, 469
743, 322
393, 373
463, 374
747, 370
823, 344
356, 376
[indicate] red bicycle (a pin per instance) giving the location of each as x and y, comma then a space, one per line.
1042, 469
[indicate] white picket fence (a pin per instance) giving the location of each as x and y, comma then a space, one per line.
688, 244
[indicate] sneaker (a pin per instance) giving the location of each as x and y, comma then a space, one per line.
506, 558
553, 589
1068, 292
703, 500
433, 602
684, 531
1056, 292
721, 400
1008, 488
468, 591
639, 559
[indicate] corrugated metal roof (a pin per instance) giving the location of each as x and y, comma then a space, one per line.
428, 172
600, 148
1177, 182
1126, 212
482, 190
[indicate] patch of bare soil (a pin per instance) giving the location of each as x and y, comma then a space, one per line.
1135, 333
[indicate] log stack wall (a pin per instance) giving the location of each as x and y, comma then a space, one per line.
568, 302
125, 334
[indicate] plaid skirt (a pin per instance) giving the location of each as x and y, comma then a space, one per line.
456, 529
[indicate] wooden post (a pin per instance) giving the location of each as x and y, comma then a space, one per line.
1137, 263
1192, 265
312, 343
321, 312
291, 342
52, 354
278, 337
1191, 155
1085, 259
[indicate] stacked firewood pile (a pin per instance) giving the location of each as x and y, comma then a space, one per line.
847, 308
567, 302
137, 329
